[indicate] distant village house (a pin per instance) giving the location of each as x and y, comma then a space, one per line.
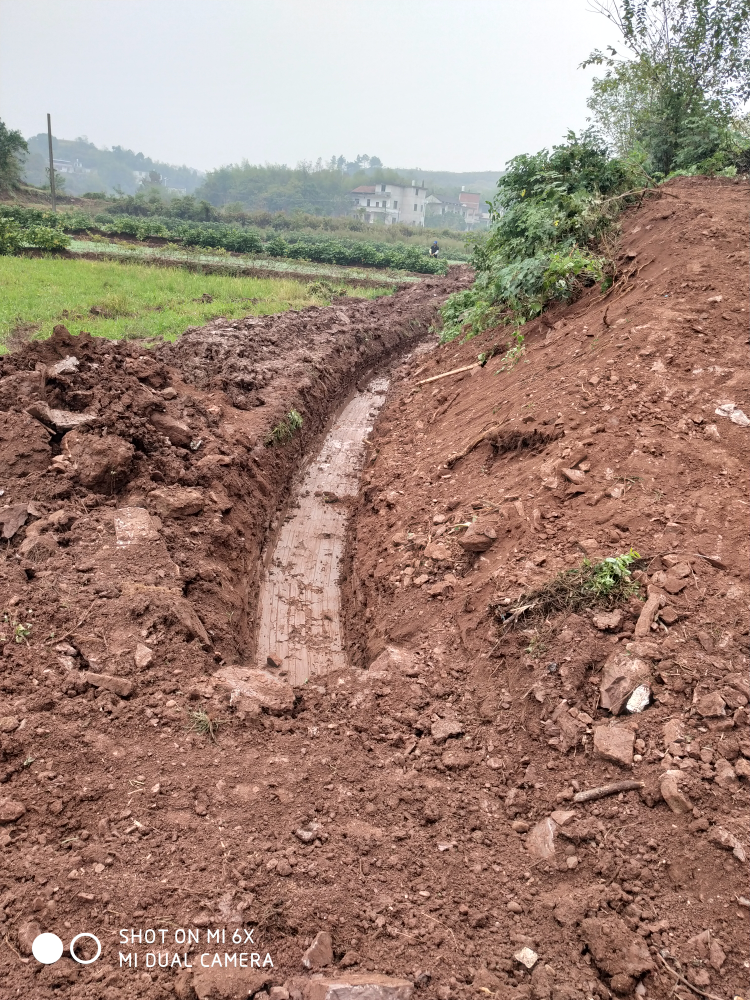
389, 203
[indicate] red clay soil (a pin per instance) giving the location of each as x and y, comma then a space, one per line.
420, 812
602, 438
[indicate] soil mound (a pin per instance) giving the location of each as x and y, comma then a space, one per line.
626, 428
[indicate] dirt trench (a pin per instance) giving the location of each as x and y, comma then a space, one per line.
139, 490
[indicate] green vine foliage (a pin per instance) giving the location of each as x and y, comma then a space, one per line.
547, 216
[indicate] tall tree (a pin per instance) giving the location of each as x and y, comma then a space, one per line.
12, 144
686, 77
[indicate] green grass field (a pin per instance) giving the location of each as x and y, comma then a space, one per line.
117, 300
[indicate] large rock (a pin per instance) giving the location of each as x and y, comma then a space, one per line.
477, 538
437, 551
710, 706
320, 952
99, 463
359, 986
615, 743
177, 501
61, 420
179, 433
226, 984
253, 690
621, 675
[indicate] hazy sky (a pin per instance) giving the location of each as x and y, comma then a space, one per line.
436, 84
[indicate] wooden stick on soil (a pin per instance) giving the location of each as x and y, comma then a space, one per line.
710, 996
604, 790
455, 371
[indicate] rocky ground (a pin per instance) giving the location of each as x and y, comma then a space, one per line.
422, 819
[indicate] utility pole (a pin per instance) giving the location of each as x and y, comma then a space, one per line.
51, 164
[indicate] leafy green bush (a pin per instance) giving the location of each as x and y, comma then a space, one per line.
45, 238
11, 236
29, 227
549, 212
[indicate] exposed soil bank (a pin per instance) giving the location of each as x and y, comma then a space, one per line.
604, 436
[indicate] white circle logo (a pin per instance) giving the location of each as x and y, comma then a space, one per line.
47, 948
86, 961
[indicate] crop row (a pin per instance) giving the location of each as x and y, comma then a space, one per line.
212, 235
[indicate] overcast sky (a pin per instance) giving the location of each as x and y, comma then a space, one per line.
435, 84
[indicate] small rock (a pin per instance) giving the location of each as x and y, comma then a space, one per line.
477, 538
621, 675
541, 839
144, 656
514, 907
742, 768
527, 957
283, 868
177, 431
457, 760
572, 862
27, 932
574, 476
673, 731
11, 810
615, 744
9, 724
120, 686
639, 699
359, 986
350, 959
563, 816
725, 776
608, 620
437, 551
711, 432
699, 825
710, 705
133, 526
177, 501
727, 841
442, 729
320, 952
520, 826
675, 799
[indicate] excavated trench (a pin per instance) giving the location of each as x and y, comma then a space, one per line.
299, 607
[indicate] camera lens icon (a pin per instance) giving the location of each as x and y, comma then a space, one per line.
48, 948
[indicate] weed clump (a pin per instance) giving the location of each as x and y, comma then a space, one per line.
204, 724
285, 429
605, 583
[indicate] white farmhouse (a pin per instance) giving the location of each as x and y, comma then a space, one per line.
389, 203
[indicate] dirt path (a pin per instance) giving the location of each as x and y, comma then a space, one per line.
299, 605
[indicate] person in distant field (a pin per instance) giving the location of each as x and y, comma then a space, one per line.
434, 249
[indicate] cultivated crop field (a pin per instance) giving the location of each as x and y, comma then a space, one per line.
127, 300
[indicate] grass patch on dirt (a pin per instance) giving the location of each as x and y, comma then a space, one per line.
120, 301
606, 583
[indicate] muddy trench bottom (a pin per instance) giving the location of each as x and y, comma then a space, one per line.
299, 604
